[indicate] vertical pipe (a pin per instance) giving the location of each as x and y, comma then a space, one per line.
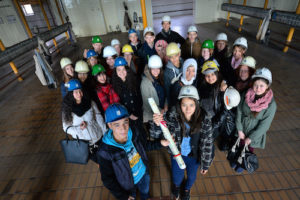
228, 15
12, 64
61, 18
143, 5
23, 18
47, 20
291, 32
265, 7
242, 17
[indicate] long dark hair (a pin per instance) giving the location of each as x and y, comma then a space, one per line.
118, 84
66, 77
251, 72
160, 78
195, 122
205, 88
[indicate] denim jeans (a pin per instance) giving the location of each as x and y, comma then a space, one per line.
191, 169
143, 187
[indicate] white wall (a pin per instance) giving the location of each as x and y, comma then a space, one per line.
10, 33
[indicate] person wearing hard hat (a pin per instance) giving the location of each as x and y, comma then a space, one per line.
115, 43
173, 69
122, 155
244, 73
134, 41
192, 45
255, 113
160, 47
81, 118
211, 92
124, 83
105, 92
97, 44
167, 34
188, 77
152, 86
192, 131
148, 48
109, 54
132, 60
221, 49
92, 58
68, 73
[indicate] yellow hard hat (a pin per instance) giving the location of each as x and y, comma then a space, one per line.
209, 67
172, 49
127, 49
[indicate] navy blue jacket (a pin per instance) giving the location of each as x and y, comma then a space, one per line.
115, 171
145, 52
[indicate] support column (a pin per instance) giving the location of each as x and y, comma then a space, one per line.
61, 18
23, 18
143, 5
228, 15
242, 17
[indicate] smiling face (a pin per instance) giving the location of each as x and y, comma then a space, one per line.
97, 47
82, 77
175, 60
192, 36
133, 38
77, 94
238, 52
69, 70
101, 78
128, 57
93, 60
205, 53
120, 130
211, 78
244, 72
190, 73
110, 61
260, 86
221, 44
188, 107
149, 38
155, 72
166, 26
121, 72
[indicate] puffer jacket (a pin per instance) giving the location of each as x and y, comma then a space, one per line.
191, 50
201, 142
95, 125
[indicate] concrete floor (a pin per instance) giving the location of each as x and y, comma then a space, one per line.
32, 165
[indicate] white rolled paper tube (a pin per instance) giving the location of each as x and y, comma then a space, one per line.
168, 136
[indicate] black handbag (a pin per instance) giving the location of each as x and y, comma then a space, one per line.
248, 160
75, 150
233, 153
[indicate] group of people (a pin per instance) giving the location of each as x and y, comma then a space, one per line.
207, 93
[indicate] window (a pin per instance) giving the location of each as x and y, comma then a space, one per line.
27, 9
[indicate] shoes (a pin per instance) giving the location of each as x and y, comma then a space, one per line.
239, 170
233, 165
186, 195
175, 192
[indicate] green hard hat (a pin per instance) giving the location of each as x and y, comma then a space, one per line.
96, 39
209, 44
97, 69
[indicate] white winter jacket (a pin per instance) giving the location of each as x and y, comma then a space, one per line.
96, 126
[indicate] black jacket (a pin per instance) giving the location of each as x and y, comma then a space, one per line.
169, 37
115, 171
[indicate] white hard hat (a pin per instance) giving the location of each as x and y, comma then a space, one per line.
221, 36
249, 61
148, 29
241, 41
155, 62
65, 61
193, 29
81, 67
166, 18
263, 73
188, 91
114, 42
109, 51
232, 98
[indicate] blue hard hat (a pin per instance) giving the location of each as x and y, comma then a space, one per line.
91, 53
131, 31
120, 61
73, 84
115, 112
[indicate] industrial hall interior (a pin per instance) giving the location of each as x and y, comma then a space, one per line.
150, 99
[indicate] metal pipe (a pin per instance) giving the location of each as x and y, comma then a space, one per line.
143, 5
265, 7
47, 20
27, 45
61, 18
228, 15
242, 17
12, 64
23, 18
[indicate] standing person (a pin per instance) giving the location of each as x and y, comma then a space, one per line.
188, 77
97, 44
152, 86
92, 58
115, 43
192, 131
173, 69
122, 156
255, 113
244, 73
81, 117
192, 45
110, 54
221, 49
160, 47
132, 60
134, 41
105, 92
124, 83
68, 74
167, 34
148, 48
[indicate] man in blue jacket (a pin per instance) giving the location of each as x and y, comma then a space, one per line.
122, 156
